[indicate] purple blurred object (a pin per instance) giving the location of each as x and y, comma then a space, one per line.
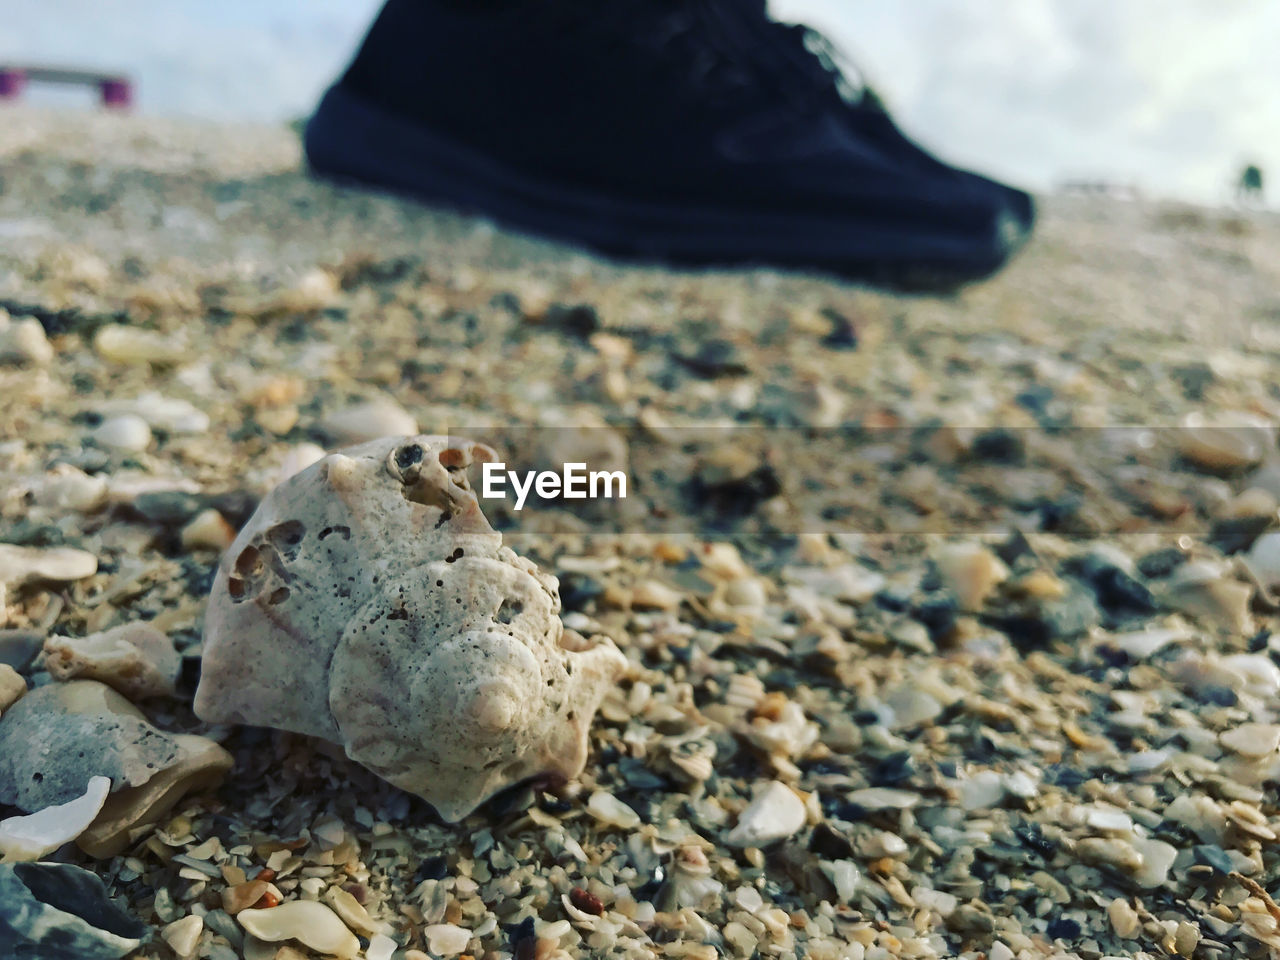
116, 91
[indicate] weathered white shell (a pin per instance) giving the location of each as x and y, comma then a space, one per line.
369, 602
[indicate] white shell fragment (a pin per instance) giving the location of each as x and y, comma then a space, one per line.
59, 735
369, 602
183, 936
31, 837
134, 658
306, 921
22, 565
776, 812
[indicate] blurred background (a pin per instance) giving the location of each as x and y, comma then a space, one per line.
1171, 97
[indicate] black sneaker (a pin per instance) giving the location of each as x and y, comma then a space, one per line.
645, 128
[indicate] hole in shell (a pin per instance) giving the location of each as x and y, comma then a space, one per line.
279, 595
409, 455
509, 610
287, 538
249, 563
342, 531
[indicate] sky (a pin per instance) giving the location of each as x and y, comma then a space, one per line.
1172, 96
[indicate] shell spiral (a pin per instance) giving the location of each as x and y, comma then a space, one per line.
368, 602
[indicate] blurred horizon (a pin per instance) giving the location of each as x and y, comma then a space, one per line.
1172, 97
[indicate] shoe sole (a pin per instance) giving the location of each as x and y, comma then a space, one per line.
349, 139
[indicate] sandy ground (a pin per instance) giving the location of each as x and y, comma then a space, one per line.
1014, 670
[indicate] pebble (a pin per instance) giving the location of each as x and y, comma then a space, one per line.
134, 658
611, 811
971, 572
1263, 559
381, 947
24, 342
1124, 919
183, 936
69, 488
242, 896
125, 431
1186, 938
128, 344
986, 788
306, 921
17, 647
1206, 591
20, 566
33, 836
884, 798
379, 417
1111, 851
1157, 858
446, 939
655, 595
1253, 740
1222, 449
207, 530
170, 414
12, 687
776, 812
1141, 644
911, 707
1109, 820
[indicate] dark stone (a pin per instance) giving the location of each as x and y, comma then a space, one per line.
433, 868
740, 497
236, 506
713, 359
894, 770
938, 613
1032, 837
1000, 446
579, 319
1064, 928
830, 844
167, 508
577, 590
1116, 590
1237, 534
1161, 563
1213, 856
1035, 398
57, 911
844, 333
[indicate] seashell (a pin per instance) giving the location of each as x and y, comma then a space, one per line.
58, 736
183, 936
369, 602
30, 838
24, 342
134, 658
307, 921
56, 911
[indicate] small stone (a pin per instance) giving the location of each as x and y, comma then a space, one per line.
1124, 919
22, 565
306, 921
1263, 559
183, 936
654, 595
1110, 851
1253, 740
12, 687
1222, 449
446, 939
1000, 951
971, 572
352, 913
911, 707
1186, 938
126, 344
379, 417
208, 530
1108, 820
134, 658
609, 810
985, 788
69, 488
883, 798
24, 342
126, 431
1157, 858
776, 812
1141, 644
1207, 591
242, 896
